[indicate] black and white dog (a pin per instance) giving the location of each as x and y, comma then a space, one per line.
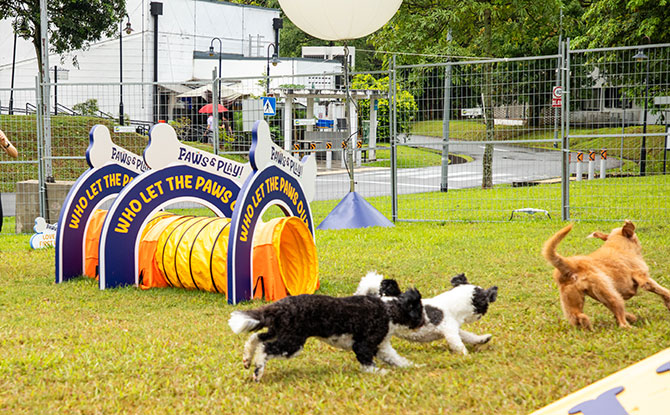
445, 313
364, 324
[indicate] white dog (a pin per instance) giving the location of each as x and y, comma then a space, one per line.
445, 313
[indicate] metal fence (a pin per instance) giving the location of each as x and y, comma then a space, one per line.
619, 101
480, 140
556, 136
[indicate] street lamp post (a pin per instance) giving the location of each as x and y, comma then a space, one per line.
275, 61
211, 53
128, 29
640, 56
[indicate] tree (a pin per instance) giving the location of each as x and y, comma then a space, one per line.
625, 22
484, 29
73, 24
406, 106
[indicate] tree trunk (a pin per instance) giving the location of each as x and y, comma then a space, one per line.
487, 162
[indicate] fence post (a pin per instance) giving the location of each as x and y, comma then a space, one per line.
603, 163
40, 150
394, 161
446, 117
565, 129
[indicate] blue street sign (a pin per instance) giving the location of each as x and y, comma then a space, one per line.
269, 105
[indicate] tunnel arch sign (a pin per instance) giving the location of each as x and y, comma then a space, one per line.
278, 179
111, 168
178, 173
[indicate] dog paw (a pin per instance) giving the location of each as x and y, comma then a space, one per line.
485, 339
258, 373
246, 363
461, 350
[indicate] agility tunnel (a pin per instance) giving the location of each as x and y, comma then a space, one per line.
191, 252
237, 253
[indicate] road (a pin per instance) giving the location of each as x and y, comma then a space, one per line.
511, 164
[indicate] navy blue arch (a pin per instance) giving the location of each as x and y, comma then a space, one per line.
135, 205
91, 189
257, 194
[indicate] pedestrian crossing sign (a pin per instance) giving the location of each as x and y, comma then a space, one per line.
269, 105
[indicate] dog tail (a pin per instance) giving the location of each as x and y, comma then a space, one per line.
549, 251
244, 321
370, 284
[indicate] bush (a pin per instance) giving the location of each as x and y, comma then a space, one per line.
87, 108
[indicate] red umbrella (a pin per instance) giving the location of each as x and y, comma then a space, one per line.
208, 109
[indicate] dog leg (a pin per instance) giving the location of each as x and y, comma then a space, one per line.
572, 302
283, 347
390, 356
259, 360
654, 287
249, 349
612, 300
365, 355
472, 338
452, 336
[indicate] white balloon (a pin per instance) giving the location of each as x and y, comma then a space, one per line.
339, 19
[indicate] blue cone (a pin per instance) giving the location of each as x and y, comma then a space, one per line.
353, 212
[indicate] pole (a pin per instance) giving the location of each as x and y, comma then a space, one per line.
267, 84
121, 71
156, 9
46, 93
347, 115
215, 116
446, 117
394, 139
11, 90
565, 130
643, 147
55, 90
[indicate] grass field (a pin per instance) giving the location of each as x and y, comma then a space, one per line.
71, 348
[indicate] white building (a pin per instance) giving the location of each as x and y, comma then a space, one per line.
185, 31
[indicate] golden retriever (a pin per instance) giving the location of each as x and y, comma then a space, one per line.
611, 274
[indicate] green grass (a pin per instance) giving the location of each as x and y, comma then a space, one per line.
71, 348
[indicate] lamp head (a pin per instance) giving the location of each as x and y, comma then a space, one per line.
211, 51
275, 60
640, 56
129, 28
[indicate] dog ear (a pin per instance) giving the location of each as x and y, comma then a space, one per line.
410, 296
598, 235
459, 280
492, 294
389, 288
628, 229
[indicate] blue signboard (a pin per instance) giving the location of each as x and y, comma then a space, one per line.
269, 105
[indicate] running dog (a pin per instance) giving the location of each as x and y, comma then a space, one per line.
364, 324
611, 274
445, 313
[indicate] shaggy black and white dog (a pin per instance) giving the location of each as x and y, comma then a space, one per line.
445, 313
364, 324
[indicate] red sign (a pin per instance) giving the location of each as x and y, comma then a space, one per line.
556, 96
